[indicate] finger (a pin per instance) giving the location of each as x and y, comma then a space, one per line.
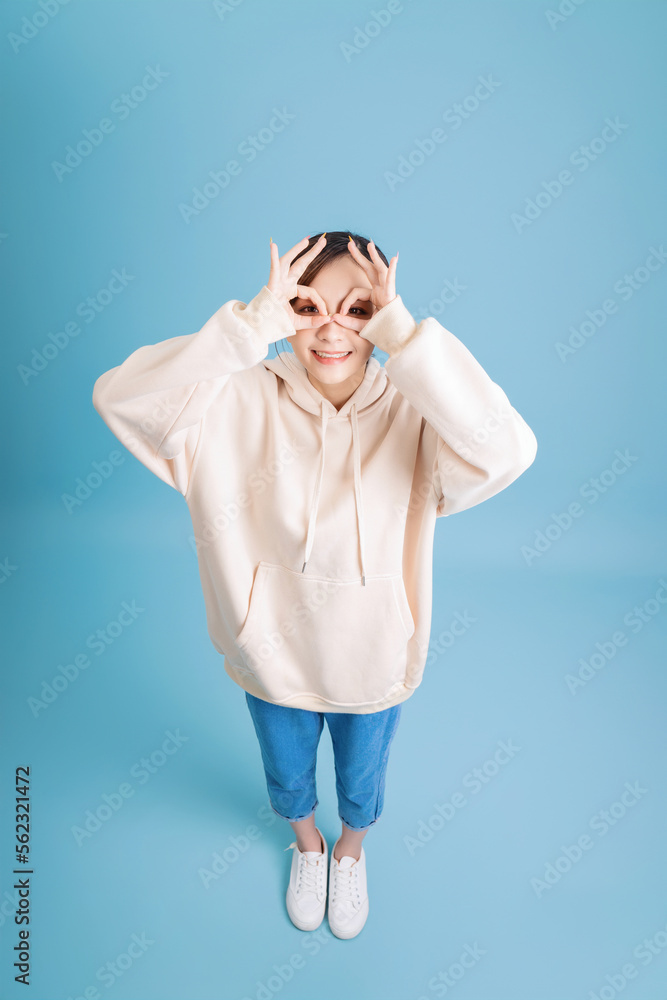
355, 294
285, 262
375, 256
306, 292
386, 273
390, 283
288, 257
356, 323
274, 281
362, 261
302, 263
309, 321
369, 266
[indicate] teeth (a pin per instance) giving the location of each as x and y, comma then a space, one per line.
321, 354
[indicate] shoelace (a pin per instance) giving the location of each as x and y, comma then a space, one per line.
309, 872
346, 883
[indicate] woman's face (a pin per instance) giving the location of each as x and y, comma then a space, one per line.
334, 283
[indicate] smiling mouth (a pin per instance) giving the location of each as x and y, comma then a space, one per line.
330, 357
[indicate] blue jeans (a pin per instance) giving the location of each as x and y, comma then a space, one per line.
288, 740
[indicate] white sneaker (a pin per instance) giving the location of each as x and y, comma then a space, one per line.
307, 889
348, 896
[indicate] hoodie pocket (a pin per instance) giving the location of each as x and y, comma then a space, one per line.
329, 637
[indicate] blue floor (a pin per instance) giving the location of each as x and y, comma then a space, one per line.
520, 853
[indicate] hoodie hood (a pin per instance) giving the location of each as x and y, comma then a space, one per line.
294, 374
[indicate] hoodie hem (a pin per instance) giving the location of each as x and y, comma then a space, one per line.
312, 702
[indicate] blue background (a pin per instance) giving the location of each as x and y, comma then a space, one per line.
67, 573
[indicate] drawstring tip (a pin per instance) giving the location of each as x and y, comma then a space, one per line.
363, 579
304, 566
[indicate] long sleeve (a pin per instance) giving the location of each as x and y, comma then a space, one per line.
154, 402
483, 443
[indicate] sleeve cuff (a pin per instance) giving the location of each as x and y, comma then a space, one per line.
391, 328
265, 316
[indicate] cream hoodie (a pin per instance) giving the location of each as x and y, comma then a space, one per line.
314, 526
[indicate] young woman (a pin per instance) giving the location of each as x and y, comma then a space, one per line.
314, 480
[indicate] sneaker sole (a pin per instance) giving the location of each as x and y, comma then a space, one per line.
303, 926
346, 935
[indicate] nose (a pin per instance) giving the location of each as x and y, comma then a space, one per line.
332, 326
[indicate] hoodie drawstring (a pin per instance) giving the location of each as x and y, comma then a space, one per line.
316, 495
310, 537
357, 488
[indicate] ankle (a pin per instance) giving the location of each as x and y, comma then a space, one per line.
342, 850
310, 842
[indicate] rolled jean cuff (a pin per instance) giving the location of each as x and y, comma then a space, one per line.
358, 829
298, 818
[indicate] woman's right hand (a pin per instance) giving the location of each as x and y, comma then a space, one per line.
284, 283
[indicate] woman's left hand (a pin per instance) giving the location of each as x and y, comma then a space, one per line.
383, 282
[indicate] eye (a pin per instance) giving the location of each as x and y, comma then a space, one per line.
358, 309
